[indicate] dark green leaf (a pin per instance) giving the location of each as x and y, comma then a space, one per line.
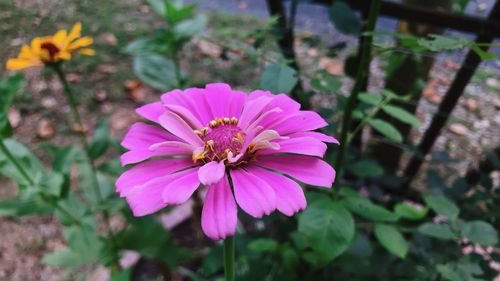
440, 231
401, 114
391, 239
21, 207
123, 275
9, 86
410, 212
25, 157
176, 12
480, 232
156, 71
484, 55
263, 245
366, 169
344, 18
386, 129
442, 205
212, 261
278, 78
365, 208
329, 227
100, 140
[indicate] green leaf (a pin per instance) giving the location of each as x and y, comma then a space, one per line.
101, 140
480, 232
25, 157
21, 207
159, 6
484, 55
440, 231
437, 43
370, 98
65, 258
344, 18
465, 269
191, 27
324, 82
51, 183
9, 86
123, 275
407, 211
278, 78
366, 209
348, 192
442, 205
386, 129
263, 245
147, 46
63, 158
329, 227
391, 239
156, 71
401, 114
366, 169
176, 12
212, 261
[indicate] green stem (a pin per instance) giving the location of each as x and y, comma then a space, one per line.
361, 75
18, 166
368, 117
28, 178
229, 259
76, 115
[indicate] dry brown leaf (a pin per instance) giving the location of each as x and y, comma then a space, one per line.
101, 95
132, 84
109, 38
74, 77
107, 68
331, 66
209, 48
471, 105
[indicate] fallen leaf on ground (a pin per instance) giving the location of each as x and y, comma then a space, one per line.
45, 129
14, 116
108, 38
331, 66
459, 129
74, 77
471, 105
48, 102
101, 95
209, 48
107, 68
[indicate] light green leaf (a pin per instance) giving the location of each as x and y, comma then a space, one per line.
386, 129
191, 27
410, 212
147, 46
278, 78
401, 114
324, 82
480, 232
9, 86
370, 98
442, 205
156, 71
440, 231
65, 258
21, 207
391, 239
365, 208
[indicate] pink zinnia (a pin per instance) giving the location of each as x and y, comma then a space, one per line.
215, 136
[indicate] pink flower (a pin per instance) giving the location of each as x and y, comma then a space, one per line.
216, 135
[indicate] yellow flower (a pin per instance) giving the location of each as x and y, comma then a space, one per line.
52, 49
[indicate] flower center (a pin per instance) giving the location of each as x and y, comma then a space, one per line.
51, 48
222, 137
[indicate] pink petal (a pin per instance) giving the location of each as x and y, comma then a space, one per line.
307, 169
151, 111
297, 122
144, 172
289, 195
193, 99
252, 110
306, 146
319, 136
223, 101
181, 188
253, 195
177, 126
141, 135
219, 214
185, 114
146, 199
211, 172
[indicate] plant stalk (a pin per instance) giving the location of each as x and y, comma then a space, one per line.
229, 274
362, 72
76, 116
